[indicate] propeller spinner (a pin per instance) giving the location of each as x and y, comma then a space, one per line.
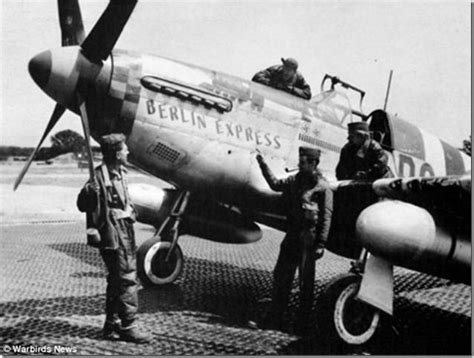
67, 74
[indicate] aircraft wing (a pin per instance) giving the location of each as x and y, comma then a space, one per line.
422, 223
446, 196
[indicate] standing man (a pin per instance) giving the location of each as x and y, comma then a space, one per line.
285, 77
362, 157
307, 199
110, 218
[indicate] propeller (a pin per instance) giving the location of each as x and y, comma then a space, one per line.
70, 20
57, 113
85, 127
96, 47
101, 40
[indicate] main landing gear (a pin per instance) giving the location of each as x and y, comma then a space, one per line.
344, 317
160, 260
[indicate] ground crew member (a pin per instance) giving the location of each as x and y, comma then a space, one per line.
109, 210
362, 157
307, 199
286, 78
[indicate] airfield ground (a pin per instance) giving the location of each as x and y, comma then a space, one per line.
53, 288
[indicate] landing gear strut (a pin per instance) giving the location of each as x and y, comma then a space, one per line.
160, 260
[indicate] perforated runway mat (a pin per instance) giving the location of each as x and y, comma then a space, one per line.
53, 293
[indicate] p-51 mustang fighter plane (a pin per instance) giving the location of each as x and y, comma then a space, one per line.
199, 130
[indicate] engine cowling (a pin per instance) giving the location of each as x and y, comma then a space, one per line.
203, 218
408, 236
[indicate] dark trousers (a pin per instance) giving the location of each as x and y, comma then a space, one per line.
296, 251
122, 293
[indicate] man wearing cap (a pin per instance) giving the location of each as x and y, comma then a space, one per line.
285, 77
362, 157
110, 218
307, 200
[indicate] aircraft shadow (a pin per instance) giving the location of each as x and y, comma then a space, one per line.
216, 292
420, 329
36, 328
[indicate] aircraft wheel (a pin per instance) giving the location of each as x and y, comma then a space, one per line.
152, 268
342, 317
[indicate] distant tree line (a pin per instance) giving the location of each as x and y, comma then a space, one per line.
12, 151
66, 141
466, 146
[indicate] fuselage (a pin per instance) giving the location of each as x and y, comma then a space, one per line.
212, 148
201, 130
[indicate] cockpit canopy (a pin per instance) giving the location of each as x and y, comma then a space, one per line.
334, 106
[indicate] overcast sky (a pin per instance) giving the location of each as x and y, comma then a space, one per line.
426, 44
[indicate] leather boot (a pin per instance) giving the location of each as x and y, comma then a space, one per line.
111, 330
132, 334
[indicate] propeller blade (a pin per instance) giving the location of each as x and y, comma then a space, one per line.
70, 20
57, 113
101, 40
85, 126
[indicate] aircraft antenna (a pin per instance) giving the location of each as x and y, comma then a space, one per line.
388, 90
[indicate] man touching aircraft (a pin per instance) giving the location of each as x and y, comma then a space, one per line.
307, 199
285, 77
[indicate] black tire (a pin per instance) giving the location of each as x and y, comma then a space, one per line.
151, 268
343, 318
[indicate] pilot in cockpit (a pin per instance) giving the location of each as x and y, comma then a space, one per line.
285, 77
